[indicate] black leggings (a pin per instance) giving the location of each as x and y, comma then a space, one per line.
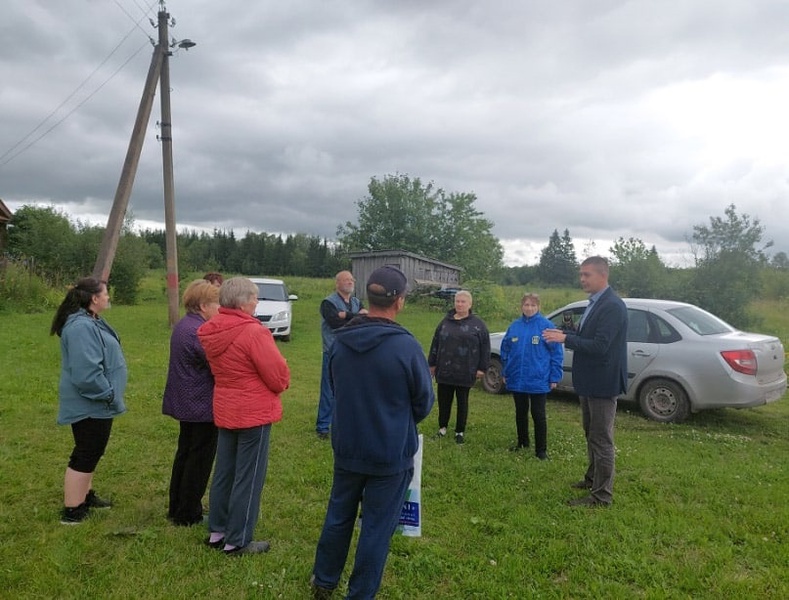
90, 441
445, 394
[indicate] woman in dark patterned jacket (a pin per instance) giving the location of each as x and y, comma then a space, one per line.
188, 398
459, 355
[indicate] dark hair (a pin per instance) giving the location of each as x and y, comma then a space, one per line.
79, 296
214, 278
376, 296
598, 263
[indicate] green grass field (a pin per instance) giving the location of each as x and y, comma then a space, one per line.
700, 508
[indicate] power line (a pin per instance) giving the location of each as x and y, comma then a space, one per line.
4, 161
145, 16
10, 155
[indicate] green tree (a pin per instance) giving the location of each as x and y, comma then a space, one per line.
636, 270
133, 258
463, 237
734, 234
44, 237
558, 264
129, 267
728, 263
522, 275
780, 261
405, 214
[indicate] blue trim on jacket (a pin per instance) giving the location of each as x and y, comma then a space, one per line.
530, 364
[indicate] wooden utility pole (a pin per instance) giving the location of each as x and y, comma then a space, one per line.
158, 71
109, 243
171, 237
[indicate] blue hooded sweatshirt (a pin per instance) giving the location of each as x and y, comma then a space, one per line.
530, 364
382, 389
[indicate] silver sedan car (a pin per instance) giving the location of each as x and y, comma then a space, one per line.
681, 359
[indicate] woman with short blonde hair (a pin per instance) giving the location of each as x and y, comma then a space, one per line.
188, 397
200, 292
459, 355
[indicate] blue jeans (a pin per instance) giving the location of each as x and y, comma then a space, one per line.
598, 420
326, 402
382, 498
239, 475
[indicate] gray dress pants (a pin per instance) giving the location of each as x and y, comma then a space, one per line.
598, 420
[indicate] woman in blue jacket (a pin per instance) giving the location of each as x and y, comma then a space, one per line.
92, 382
531, 368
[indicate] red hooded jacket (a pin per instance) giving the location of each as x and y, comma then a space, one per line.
249, 371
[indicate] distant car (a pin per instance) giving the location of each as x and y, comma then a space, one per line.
274, 309
681, 359
447, 293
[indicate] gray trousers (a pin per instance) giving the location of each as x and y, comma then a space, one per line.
239, 475
598, 420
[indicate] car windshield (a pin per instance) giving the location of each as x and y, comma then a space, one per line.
700, 321
271, 291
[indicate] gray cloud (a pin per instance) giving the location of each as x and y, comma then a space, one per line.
609, 118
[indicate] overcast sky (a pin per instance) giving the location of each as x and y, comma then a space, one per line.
609, 118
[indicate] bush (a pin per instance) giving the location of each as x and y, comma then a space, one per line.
21, 290
489, 302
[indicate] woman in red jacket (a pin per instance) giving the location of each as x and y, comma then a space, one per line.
249, 375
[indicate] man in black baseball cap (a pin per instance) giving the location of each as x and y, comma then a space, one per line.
387, 282
382, 389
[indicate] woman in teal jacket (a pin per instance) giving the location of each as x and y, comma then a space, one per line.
92, 383
531, 368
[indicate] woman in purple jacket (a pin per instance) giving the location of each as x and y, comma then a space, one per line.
188, 398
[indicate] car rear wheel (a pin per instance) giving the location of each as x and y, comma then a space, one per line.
492, 381
664, 400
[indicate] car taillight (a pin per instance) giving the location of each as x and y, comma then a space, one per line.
742, 361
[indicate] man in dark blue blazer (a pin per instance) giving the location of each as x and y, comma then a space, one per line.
599, 376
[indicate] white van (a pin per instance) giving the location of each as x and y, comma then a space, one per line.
274, 309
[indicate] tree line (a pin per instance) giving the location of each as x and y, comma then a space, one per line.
400, 213
48, 243
731, 263
731, 268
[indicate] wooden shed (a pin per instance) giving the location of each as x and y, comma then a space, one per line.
5, 218
420, 270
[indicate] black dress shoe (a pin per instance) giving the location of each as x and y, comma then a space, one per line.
587, 501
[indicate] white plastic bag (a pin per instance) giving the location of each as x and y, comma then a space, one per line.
411, 516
